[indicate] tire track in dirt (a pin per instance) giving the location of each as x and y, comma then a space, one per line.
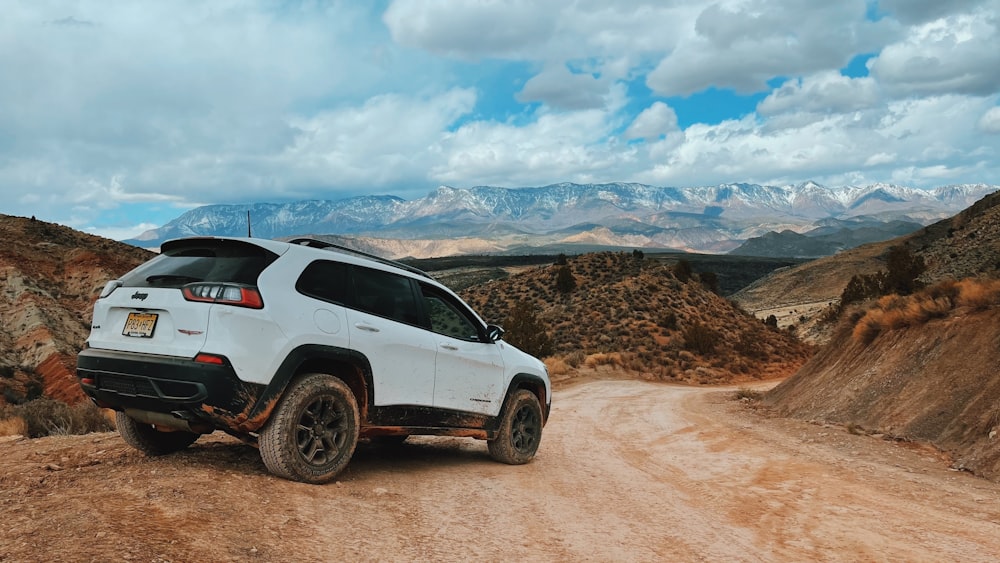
627, 470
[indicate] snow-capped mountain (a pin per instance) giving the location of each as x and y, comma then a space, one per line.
709, 218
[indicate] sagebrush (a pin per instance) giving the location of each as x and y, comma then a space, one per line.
49, 417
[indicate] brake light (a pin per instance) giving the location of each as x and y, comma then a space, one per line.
224, 293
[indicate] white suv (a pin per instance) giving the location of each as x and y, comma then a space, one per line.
302, 348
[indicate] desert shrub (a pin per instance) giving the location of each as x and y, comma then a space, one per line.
526, 331
749, 346
949, 289
900, 278
682, 270
745, 393
14, 426
903, 269
575, 358
669, 320
771, 321
565, 282
867, 329
46, 417
979, 294
710, 280
893, 312
556, 365
861, 288
613, 359
700, 338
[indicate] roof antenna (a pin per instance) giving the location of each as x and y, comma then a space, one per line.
249, 235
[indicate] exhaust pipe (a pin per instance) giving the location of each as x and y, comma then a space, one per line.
168, 421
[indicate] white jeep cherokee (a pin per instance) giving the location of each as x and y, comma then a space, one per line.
302, 348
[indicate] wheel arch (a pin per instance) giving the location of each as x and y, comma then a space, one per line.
532, 383
350, 366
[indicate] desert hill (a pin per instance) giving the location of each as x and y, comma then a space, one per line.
965, 245
49, 278
923, 367
640, 316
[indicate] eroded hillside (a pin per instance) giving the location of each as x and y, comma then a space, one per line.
49, 278
639, 316
924, 368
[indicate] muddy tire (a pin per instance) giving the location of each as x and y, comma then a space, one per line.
520, 430
312, 433
150, 441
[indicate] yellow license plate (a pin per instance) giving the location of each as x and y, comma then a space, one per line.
140, 325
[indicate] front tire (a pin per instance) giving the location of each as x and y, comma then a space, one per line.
313, 432
520, 430
150, 441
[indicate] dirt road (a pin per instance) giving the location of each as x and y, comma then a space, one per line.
627, 471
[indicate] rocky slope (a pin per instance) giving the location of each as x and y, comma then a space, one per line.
49, 278
639, 316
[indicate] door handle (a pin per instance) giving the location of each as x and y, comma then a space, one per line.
449, 347
366, 328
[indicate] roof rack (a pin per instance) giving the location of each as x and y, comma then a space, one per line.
316, 243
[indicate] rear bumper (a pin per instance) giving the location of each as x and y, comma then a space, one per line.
192, 391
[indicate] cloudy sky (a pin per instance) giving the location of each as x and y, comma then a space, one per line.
117, 116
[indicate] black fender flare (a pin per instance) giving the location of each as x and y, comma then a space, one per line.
532, 383
317, 358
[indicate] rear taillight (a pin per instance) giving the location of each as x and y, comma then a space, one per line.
204, 358
224, 293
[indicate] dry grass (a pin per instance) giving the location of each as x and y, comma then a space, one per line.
613, 359
49, 417
14, 426
894, 312
557, 365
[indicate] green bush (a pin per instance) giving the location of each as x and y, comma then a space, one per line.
525, 331
565, 282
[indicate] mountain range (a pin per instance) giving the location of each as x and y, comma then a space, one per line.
565, 216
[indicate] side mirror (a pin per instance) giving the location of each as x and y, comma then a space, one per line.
494, 332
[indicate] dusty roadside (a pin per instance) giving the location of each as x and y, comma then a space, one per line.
627, 470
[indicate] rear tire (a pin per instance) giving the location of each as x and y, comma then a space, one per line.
150, 441
520, 430
313, 432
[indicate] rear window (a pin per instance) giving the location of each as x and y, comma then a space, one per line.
200, 260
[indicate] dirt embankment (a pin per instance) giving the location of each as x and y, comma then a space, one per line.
50, 276
938, 382
627, 471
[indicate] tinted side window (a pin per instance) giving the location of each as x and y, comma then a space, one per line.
447, 317
386, 295
325, 280
186, 261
